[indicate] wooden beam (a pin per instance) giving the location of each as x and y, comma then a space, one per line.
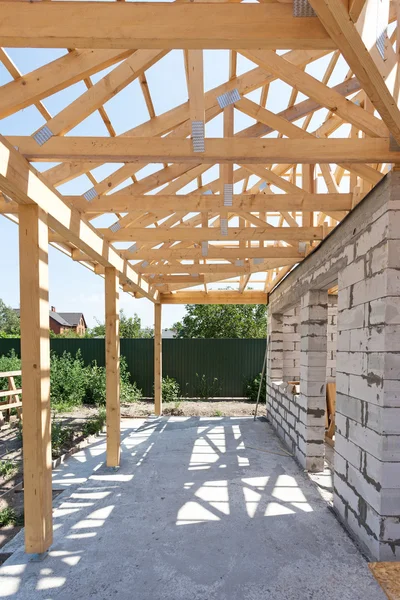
102, 91
220, 268
113, 405
54, 77
25, 185
120, 202
217, 150
175, 25
318, 91
196, 85
214, 252
335, 19
203, 234
157, 359
227, 297
35, 356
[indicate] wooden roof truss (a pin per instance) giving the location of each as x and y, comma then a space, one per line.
282, 183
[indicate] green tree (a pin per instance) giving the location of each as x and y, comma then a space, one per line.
129, 327
9, 321
223, 321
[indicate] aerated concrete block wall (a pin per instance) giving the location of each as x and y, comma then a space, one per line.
332, 339
291, 345
367, 443
362, 256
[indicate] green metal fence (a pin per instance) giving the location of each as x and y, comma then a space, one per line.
230, 361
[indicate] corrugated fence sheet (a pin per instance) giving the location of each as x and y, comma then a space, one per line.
215, 367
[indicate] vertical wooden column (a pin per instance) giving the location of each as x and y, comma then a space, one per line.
35, 355
112, 367
157, 360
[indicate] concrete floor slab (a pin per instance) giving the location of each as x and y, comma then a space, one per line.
200, 509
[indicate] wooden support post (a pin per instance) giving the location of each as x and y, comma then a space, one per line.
157, 360
112, 367
35, 355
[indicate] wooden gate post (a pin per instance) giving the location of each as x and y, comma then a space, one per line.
113, 407
35, 355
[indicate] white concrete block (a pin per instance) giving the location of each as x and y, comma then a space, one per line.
352, 318
347, 450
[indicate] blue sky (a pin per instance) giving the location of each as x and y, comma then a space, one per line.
73, 287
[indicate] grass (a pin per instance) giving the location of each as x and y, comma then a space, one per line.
217, 413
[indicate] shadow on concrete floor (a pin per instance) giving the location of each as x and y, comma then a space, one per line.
200, 509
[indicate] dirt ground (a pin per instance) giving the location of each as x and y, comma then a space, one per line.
11, 492
214, 407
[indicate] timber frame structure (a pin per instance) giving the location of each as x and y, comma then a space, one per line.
284, 182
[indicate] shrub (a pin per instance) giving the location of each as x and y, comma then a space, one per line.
62, 437
95, 384
205, 389
95, 424
67, 380
252, 386
72, 383
170, 389
129, 391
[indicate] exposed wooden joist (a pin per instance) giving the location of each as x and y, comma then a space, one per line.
198, 234
214, 252
120, 202
229, 297
220, 268
173, 25
238, 150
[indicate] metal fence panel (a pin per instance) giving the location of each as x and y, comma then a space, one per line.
218, 366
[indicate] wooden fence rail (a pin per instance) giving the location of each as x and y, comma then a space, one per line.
13, 396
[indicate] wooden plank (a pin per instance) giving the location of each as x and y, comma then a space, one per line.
196, 85
175, 25
25, 185
11, 392
10, 405
17, 392
387, 575
158, 359
331, 408
214, 252
229, 297
293, 201
10, 373
220, 268
35, 360
217, 150
113, 406
200, 234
